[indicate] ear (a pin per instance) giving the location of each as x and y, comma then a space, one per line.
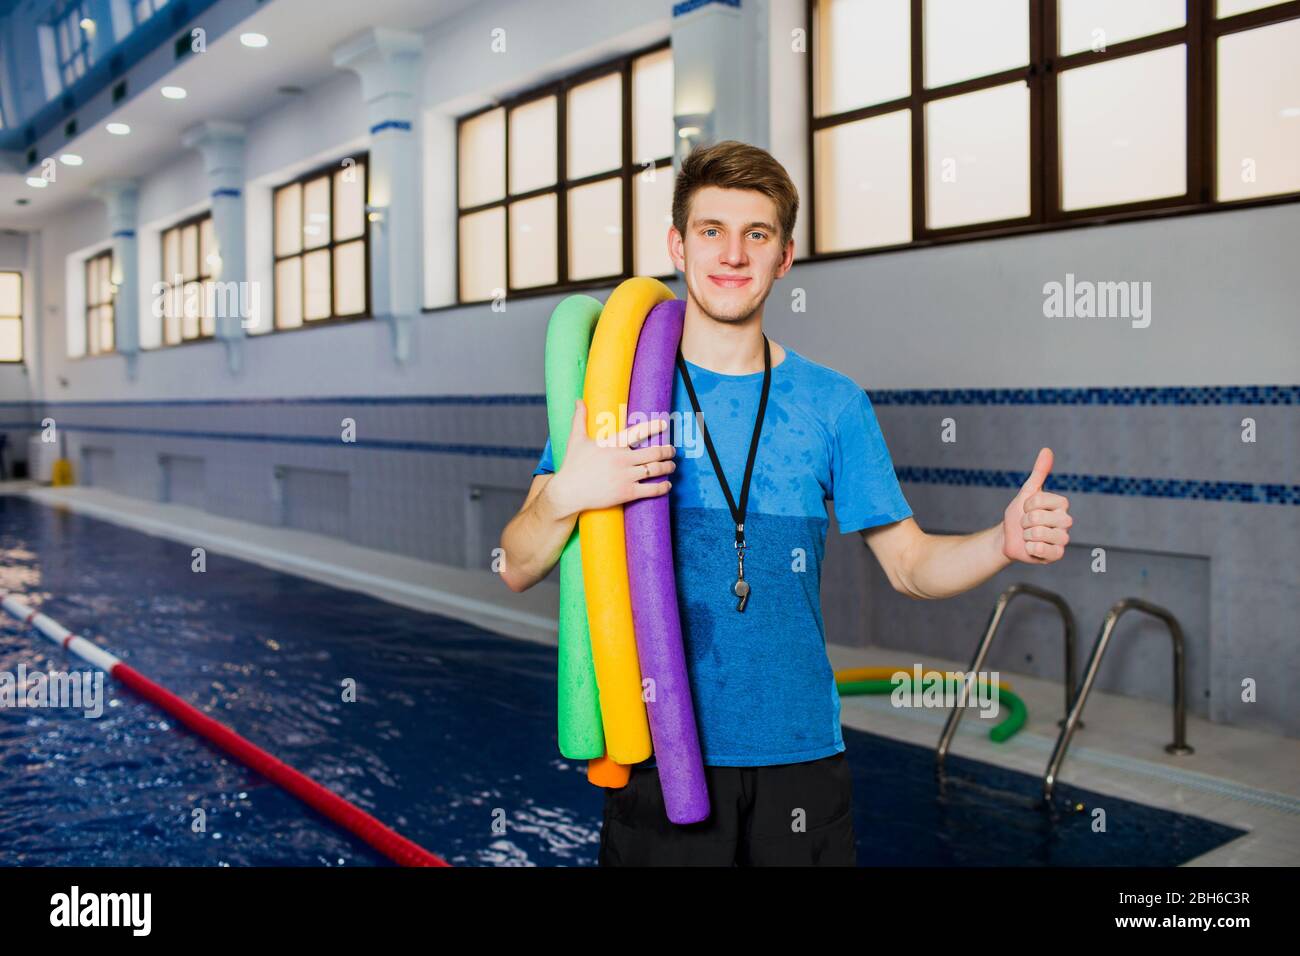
676, 249
787, 261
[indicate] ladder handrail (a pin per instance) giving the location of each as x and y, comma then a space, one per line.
995, 621
1179, 746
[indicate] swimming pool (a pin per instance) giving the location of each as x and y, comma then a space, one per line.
453, 730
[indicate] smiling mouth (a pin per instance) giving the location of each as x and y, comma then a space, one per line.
729, 282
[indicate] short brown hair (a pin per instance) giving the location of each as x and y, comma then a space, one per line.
735, 165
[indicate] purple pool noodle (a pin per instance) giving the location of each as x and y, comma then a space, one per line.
648, 531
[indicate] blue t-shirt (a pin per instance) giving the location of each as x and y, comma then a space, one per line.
762, 683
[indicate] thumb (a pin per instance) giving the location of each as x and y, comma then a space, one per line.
1042, 467
579, 427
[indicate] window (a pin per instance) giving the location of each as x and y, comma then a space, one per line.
569, 185
1257, 146
188, 257
11, 317
142, 10
322, 246
72, 33
100, 290
943, 119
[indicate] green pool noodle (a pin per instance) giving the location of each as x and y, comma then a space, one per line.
568, 338
1017, 713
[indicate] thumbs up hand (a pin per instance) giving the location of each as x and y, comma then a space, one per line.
1034, 525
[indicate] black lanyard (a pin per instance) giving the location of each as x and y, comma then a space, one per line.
741, 588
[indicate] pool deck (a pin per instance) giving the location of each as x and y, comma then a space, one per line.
1242, 778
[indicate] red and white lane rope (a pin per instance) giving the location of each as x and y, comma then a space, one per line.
347, 815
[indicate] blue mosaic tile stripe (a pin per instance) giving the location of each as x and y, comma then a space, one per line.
437, 448
1175, 395
1180, 488
1243, 492
393, 400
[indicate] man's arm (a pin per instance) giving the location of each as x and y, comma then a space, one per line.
595, 474
924, 565
534, 538
920, 565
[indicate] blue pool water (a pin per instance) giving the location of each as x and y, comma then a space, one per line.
453, 730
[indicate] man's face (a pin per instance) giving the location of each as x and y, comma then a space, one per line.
732, 252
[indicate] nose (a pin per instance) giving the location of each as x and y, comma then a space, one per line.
733, 254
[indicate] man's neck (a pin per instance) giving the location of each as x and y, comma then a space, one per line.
728, 348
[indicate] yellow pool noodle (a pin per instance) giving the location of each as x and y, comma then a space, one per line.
854, 674
600, 532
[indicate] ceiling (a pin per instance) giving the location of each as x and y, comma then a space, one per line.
229, 82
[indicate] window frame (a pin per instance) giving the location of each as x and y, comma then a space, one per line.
138, 20
68, 19
627, 170
1200, 34
362, 157
22, 351
111, 302
204, 276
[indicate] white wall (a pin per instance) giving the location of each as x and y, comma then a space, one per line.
13, 251
1224, 289
1224, 285
16, 254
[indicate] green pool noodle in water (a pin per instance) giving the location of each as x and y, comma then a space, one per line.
1017, 713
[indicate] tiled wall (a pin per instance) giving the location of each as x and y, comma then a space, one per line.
1190, 517
407, 475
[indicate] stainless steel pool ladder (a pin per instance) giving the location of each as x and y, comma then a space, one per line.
995, 620
1179, 746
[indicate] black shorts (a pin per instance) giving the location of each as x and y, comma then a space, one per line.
797, 814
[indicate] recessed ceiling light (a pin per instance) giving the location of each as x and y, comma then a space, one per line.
71, 159
254, 40
1291, 112
174, 92
36, 182
118, 129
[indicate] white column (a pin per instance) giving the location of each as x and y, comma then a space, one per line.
720, 72
388, 63
221, 145
121, 200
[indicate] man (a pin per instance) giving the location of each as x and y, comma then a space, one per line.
765, 699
